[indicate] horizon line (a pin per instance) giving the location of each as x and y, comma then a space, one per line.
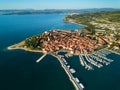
59, 8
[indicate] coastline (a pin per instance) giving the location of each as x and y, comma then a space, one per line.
60, 65
18, 46
76, 23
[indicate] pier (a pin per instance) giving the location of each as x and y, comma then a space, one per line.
83, 62
41, 57
113, 52
78, 85
70, 71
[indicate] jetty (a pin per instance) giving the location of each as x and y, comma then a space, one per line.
41, 58
81, 61
78, 85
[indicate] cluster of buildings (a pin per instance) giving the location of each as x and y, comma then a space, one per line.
108, 39
71, 41
111, 30
110, 26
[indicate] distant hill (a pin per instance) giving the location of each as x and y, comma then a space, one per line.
52, 11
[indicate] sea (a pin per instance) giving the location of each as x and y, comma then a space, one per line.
19, 70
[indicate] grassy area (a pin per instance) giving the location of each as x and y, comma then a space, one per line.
101, 17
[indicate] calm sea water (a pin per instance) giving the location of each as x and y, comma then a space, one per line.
19, 71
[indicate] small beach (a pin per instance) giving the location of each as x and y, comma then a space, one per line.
19, 46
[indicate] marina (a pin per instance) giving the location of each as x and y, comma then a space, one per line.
88, 61
96, 59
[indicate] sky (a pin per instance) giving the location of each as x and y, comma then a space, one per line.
58, 4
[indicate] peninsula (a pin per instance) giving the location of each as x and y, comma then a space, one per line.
78, 42
74, 42
102, 29
92, 44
